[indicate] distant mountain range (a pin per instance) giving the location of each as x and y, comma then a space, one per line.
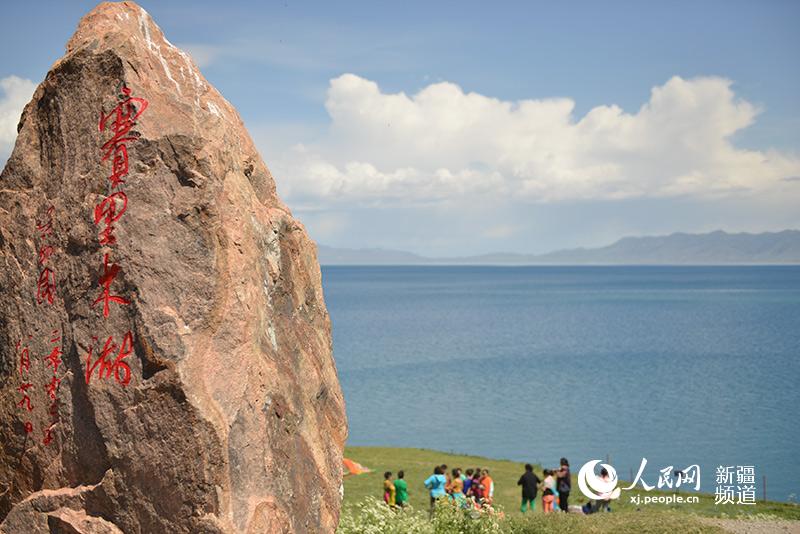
715, 248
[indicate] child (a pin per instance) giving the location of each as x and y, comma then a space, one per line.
548, 495
401, 490
456, 487
476, 488
388, 489
468, 482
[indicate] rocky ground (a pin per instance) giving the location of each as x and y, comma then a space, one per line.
756, 526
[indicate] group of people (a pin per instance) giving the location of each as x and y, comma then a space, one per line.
555, 488
475, 487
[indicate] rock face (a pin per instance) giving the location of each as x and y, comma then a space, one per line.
165, 351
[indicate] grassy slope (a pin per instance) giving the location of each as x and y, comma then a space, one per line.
418, 465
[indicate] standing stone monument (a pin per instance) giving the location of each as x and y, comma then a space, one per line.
165, 351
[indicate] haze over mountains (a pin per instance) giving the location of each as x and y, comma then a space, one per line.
715, 248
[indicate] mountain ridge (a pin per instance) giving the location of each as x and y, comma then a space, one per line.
679, 248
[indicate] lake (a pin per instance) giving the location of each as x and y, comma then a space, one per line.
679, 365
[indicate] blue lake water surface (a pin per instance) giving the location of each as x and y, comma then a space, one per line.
680, 365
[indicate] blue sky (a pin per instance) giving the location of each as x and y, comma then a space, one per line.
726, 69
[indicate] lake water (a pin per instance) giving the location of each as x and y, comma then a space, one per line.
680, 365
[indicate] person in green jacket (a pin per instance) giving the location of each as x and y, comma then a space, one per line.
401, 490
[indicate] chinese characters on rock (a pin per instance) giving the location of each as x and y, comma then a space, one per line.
119, 122
24, 359
105, 366
51, 388
46, 285
45, 295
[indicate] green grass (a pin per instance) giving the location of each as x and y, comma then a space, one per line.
418, 465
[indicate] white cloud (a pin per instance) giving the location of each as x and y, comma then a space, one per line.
16, 92
443, 143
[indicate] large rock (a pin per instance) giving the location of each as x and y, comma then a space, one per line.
228, 416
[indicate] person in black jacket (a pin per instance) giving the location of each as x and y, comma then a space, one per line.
530, 483
564, 485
